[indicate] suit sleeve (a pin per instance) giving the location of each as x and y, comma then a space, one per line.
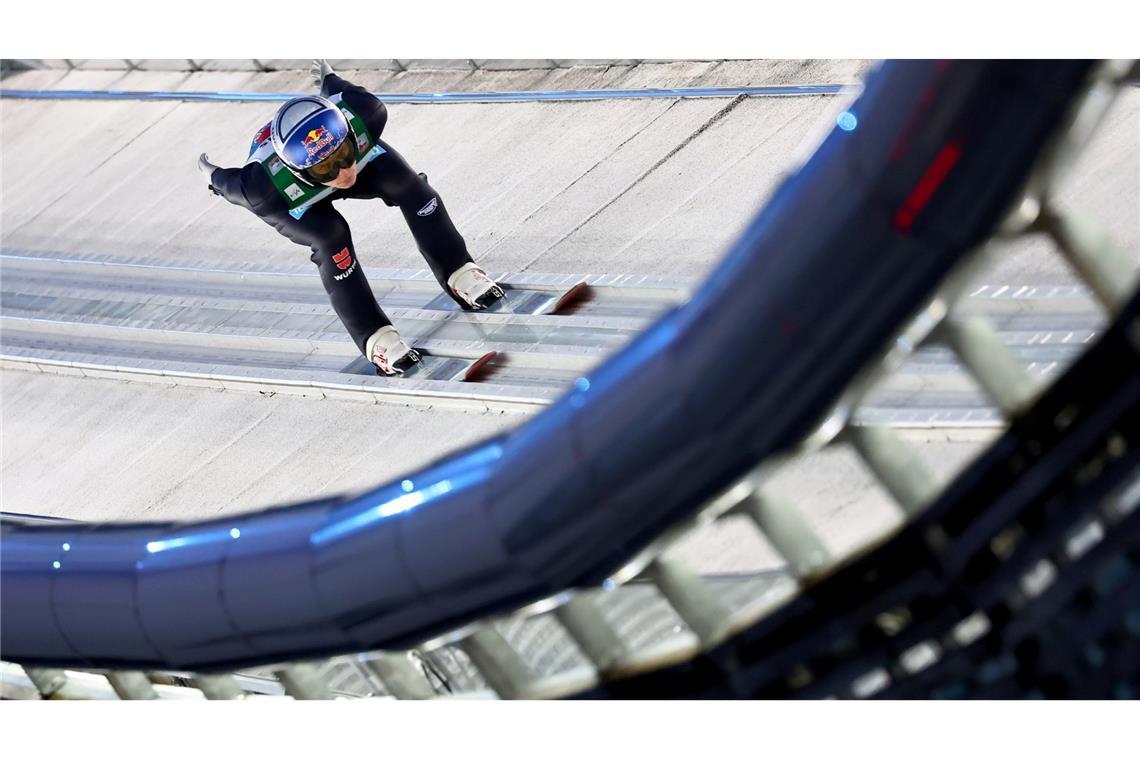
364, 103
248, 187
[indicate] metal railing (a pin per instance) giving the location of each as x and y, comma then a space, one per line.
470, 630
267, 65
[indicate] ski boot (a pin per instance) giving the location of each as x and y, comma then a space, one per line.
388, 351
473, 287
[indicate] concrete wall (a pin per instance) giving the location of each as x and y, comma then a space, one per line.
612, 186
551, 187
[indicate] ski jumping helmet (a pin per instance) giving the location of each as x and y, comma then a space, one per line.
308, 130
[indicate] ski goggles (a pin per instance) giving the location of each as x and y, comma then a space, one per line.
341, 158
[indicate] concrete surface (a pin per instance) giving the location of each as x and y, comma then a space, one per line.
647, 186
109, 450
550, 187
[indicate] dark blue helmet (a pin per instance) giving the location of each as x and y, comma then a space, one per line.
307, 130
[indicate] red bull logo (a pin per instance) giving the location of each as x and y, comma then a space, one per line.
316, 140
315, 135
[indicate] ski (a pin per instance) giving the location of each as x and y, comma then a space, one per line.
522, 300
433, 365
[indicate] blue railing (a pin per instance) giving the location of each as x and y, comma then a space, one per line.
937, 152
446, 97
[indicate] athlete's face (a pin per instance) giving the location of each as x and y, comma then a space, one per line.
344, 180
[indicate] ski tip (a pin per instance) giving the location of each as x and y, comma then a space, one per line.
571, 295
477, 365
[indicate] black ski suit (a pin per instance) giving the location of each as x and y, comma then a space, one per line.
326, 232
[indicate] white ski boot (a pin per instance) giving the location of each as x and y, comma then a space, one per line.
388, 351
472, 286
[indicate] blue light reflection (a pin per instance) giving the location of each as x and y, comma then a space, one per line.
401, 503
477, 467
192, 539
847, 121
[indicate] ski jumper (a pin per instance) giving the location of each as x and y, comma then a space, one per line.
305, 215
